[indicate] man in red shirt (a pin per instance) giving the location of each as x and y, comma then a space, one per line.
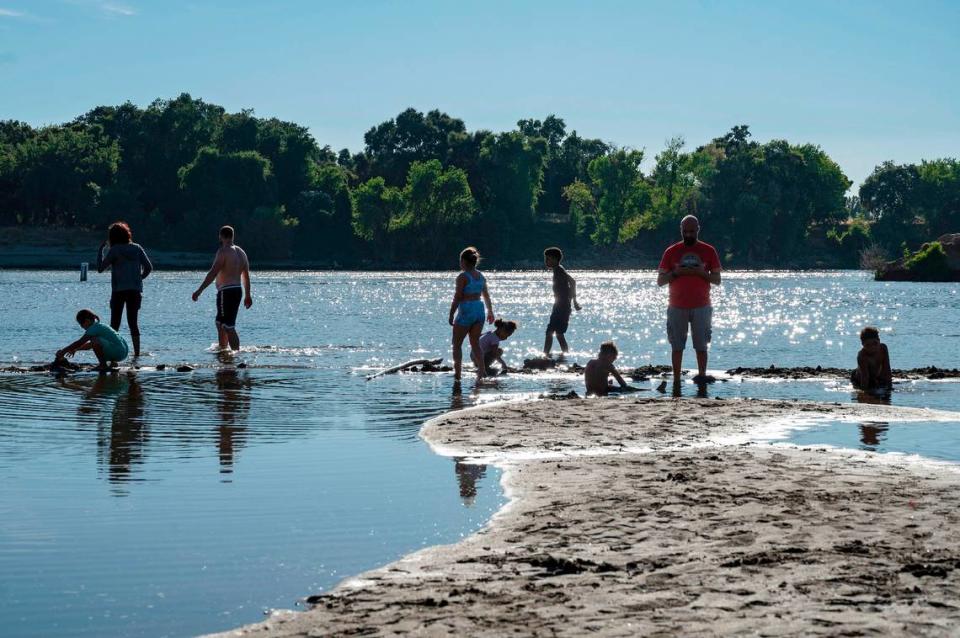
689, 266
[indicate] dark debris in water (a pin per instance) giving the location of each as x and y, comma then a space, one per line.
430, 367
63, 367
807, 372
558, 396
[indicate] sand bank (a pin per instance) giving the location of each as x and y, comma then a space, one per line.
653, 517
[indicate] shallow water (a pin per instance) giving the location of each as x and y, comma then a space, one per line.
164, 503
935, 440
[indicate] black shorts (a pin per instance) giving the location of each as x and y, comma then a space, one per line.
131, 299
228, 305
559, 319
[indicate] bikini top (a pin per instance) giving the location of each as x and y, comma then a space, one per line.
473, 286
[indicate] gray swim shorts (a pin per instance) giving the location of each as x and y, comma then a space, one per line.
679, 318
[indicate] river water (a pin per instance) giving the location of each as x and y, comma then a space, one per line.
173, 503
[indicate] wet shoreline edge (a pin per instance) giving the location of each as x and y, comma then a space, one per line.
438, 586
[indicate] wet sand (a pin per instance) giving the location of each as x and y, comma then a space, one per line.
656, 517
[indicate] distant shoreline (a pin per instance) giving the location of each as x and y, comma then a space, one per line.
69, 258
65, 249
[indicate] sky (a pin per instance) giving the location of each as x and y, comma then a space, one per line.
866, 81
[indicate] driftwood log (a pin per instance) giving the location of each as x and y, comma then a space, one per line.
404, 366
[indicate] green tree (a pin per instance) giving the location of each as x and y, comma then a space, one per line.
293, 154
14, 132
335, 239
228, 183
9, 184
438, 206
940, 195
760, 200
392, 146
622, 192
59, 173
174, 132
674, 192
238, 132
511, 170
566, 161
891, 196
583, 209
375, 205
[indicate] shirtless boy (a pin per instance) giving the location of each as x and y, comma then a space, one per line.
596, 374
231, 270
873, 363
564, 295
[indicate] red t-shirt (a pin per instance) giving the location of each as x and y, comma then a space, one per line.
690, 291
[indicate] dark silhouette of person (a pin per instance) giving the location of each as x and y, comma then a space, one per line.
468, 474
233, 403
873, 434
124, 447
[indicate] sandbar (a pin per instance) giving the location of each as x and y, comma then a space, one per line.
660, 517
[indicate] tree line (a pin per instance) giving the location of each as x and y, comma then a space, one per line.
423, 186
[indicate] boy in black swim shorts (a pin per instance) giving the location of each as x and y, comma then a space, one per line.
564, 295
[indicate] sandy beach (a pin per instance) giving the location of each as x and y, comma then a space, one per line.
657, 517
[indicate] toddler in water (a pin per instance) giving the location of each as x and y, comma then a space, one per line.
490, 343
468, 304
873, 372
105, 342
597, 373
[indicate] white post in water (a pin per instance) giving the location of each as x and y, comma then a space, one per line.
83, 271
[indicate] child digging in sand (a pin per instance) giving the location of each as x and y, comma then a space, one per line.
596, 376
103, 340
873, 364
490, 344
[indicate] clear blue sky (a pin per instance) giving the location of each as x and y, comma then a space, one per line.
867, 81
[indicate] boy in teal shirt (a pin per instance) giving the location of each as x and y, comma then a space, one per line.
105, 342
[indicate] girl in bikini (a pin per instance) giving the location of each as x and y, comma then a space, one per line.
467, 311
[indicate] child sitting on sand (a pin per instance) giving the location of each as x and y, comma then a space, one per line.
873, 363
596, 374
105, 342
490, 344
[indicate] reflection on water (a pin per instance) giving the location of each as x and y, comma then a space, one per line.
117, 403
233, 404
243, 489
871, 434
931, 439
468, 475
128, 430
873, 398
121, 439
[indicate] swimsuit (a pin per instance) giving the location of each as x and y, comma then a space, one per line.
113, 346
228, 305
471, 312
560, 315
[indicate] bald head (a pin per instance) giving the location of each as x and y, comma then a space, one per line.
689, 229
